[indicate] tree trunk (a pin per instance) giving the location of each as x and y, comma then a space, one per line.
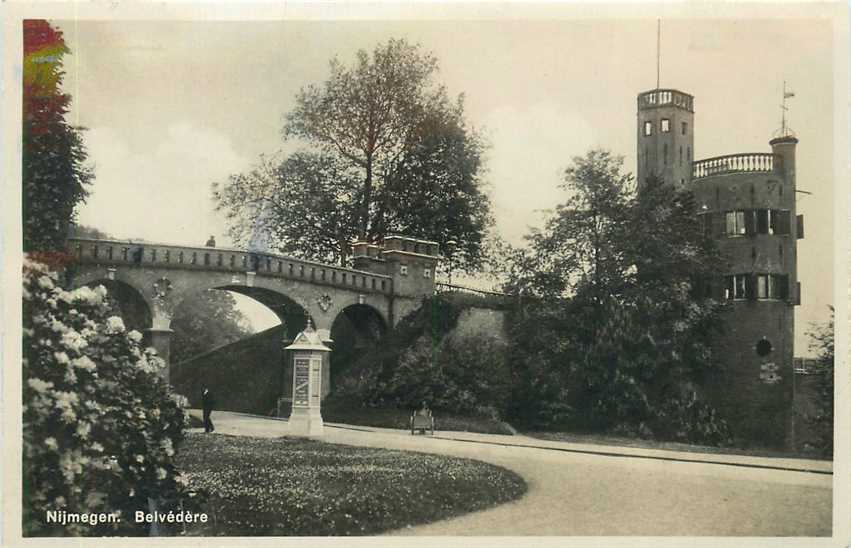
379, 228
344, 248
363, 229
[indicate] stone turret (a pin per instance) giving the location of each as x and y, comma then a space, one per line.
409, 261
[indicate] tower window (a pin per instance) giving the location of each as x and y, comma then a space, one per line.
681, 154
737, 287
779, 221
648, 128
685, 128
666, 125
763, 224
762, 283
771, 286
736, 223
665, 153
688, 154
763, 347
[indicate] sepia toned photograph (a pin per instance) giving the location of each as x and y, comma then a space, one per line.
489, 271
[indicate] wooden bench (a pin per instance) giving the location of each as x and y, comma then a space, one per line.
422, 422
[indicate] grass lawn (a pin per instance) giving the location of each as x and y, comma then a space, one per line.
298, 487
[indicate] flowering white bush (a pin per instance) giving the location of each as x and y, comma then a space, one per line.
100, 426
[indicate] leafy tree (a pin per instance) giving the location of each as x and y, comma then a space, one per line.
387, 152
54, 175
580, 249
305, 204
84, 231
205, 322
611, 323
821, 342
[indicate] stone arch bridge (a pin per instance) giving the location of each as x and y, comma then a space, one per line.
151, 280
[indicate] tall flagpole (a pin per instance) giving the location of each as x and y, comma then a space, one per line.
658, 50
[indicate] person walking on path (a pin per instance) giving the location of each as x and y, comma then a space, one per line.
207, 403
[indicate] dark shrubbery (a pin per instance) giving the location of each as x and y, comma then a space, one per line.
609, 330
421, 360
690, 420
821, 342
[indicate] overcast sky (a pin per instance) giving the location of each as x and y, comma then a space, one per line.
171, 107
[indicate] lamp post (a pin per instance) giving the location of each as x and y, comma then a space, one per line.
450, 250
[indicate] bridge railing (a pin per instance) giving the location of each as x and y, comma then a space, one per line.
117, 252
765, 162
453, 288
480, 298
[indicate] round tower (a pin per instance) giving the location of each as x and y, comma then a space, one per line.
748, 205
665, 140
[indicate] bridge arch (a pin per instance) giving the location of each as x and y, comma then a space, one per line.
290, 312
126, 301
356, 329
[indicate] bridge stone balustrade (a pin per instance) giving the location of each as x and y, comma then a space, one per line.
162, 276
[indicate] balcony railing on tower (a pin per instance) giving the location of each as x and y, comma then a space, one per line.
765, 162
662, 97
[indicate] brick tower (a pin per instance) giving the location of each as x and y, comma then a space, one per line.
747, 204
665, 136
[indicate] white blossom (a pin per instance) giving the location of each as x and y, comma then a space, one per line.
65, 401
58, 326
73, 340
70, 376
88, 295
114, 324
134, 336
51, 443
83, 429
39, 385
84, 362
61, 358
45, 282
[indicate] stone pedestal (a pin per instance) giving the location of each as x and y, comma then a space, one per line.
306, 422
160, 339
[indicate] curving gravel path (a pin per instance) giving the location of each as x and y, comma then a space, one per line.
576, 489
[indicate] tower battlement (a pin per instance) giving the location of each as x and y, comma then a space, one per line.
411, 262
664, 98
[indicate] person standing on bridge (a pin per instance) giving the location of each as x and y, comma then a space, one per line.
207, 403
211, 242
